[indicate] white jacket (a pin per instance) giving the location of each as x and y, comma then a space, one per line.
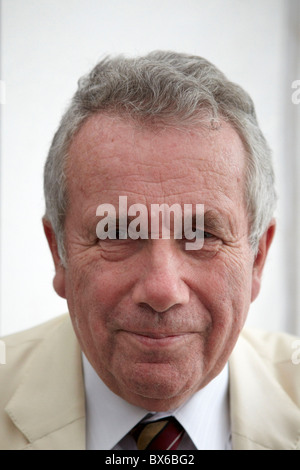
42, 402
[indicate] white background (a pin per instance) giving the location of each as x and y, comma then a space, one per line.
46, 45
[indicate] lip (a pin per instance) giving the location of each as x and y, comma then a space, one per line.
157, 339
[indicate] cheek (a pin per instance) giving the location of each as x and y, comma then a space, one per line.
239, 283
94, 291
224, 288
90, 295
95, 283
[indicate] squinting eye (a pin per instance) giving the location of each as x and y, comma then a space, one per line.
198, 233
207, 235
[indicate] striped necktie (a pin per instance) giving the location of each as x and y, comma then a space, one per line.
164, 434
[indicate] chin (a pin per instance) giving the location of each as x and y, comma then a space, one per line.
157, 387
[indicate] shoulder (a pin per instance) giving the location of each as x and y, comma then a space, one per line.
33, 334
34, 406
275, 356
20, 345
272, 347
264, 391
20, 348
276, 347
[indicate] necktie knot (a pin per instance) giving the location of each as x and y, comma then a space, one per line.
164, 434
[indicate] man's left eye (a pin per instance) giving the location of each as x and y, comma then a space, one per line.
121, 234
207, 235
197, 233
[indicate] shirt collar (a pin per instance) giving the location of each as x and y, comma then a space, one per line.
205, 416
108, 416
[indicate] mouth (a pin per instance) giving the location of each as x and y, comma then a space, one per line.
152, 339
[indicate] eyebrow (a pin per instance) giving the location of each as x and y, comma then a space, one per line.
213, 220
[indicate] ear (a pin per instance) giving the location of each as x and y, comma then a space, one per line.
60, 272
260, 259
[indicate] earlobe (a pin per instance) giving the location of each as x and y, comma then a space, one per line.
59, 277
260, 259
59, 281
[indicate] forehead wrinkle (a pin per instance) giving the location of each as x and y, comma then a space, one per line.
214, 169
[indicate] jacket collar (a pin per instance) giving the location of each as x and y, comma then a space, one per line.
55, 372
49, 405
263, 415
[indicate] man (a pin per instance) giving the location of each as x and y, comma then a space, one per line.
158, 343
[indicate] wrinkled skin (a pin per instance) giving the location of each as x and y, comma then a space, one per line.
156, 321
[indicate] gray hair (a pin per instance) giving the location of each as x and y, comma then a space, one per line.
163, 88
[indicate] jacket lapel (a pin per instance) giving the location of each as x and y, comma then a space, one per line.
263, 415
49, 406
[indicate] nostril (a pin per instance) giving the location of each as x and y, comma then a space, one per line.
149, 309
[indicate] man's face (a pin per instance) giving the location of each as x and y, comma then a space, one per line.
156, 321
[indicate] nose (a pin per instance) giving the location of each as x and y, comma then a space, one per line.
161, 285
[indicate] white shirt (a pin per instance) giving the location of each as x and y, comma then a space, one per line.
205, 416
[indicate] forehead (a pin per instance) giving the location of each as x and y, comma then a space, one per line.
110, 155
